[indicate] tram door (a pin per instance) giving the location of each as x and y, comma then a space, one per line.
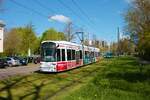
77, 57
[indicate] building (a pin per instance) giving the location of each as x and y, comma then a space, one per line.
2, 25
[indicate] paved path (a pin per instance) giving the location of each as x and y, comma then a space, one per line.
18, 70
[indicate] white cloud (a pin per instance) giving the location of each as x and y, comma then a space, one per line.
129, 1
60, 18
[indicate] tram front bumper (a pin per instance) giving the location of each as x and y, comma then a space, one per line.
48, 67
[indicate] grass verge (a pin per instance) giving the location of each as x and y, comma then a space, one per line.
121, 79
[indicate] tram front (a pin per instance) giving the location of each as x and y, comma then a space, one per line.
48, 57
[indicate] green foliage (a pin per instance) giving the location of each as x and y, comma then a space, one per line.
52, 34
12, 41
29, 39
138, 22
126, 46
18, 40
144, 46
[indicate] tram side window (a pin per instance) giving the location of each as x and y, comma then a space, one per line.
73, 54
92, 54
95, 54
98, 53
68, 54
63, 55
80, 54
58, 55
86, 54
77, 55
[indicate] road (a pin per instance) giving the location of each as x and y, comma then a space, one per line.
18, 70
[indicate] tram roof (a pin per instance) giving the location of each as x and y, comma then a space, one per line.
70, 43
63, 42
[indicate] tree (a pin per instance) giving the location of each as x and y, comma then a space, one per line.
61, 36
52, 34
126, 46
69, 32
12, 42
19, 40
114, 48
138, 21
29, 39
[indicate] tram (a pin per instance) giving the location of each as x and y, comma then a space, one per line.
57, 56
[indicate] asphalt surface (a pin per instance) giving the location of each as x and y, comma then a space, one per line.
18, 70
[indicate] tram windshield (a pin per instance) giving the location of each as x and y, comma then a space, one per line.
48, 52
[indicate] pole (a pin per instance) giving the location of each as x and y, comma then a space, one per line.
82, 42
69, 31
118, 37
88, 39
83, 46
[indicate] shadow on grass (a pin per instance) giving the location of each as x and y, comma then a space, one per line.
128, 69
9, 85
126, 58
130, 76
36, 92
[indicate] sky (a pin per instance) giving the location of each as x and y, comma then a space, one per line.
96, 17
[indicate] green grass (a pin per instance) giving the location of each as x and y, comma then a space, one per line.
109, 79
43, 86
121, 79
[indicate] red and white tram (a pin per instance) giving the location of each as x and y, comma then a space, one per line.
59, 56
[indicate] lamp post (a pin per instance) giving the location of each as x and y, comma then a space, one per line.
118, 37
